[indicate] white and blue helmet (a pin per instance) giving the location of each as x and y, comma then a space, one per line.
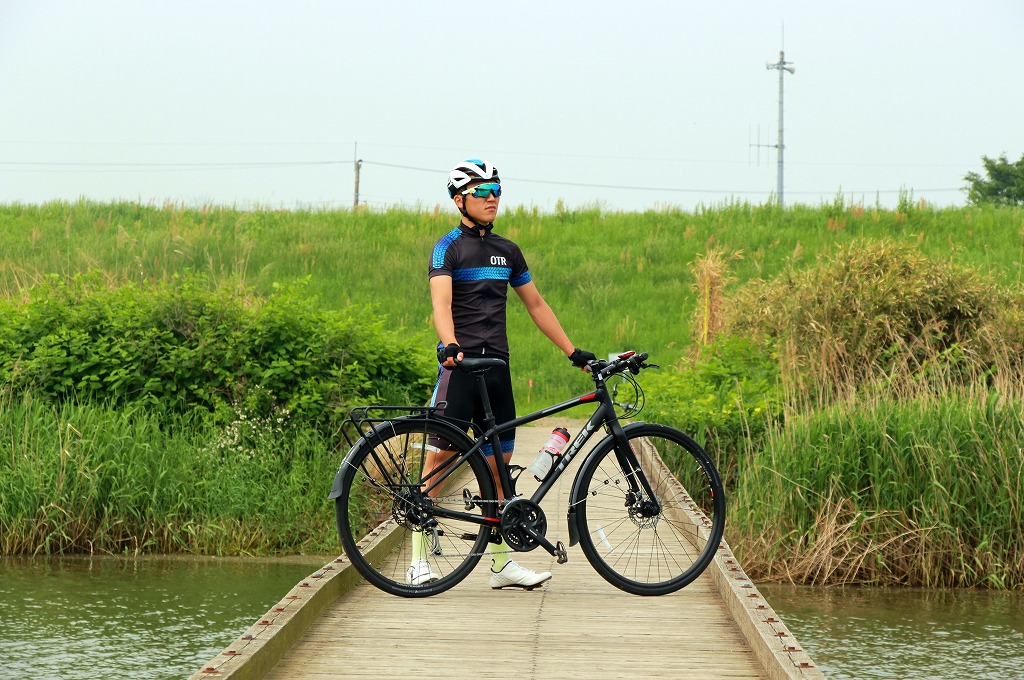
473, 170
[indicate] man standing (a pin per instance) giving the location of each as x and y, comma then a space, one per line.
471, 268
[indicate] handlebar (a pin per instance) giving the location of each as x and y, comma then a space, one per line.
599, 369
628, 361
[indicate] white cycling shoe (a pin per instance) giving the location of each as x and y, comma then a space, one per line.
419, 572
513, 575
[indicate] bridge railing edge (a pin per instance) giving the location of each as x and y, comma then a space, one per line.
264, 644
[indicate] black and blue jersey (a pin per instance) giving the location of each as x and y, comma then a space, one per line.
482, 268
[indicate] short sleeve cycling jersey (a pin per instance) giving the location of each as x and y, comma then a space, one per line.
481, 268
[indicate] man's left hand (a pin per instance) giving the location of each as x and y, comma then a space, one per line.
580, 358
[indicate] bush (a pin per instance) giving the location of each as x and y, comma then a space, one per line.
874, 309
177, 347
725, 399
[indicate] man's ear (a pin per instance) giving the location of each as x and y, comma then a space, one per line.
458, 202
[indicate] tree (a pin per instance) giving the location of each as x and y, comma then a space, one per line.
1004, 186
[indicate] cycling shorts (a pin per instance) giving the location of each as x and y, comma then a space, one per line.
458, 390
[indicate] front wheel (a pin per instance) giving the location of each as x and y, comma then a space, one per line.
399, 539
644, 544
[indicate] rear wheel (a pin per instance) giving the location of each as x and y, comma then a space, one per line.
383, 516
650, 545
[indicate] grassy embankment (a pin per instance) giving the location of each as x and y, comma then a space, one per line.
616, 281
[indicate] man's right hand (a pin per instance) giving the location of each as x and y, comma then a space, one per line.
449, 355
580, 358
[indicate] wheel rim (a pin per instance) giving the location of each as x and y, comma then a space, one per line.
652, 545
378, 520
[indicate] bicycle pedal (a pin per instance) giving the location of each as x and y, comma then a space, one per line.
560, 553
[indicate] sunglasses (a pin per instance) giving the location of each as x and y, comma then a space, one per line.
484, 190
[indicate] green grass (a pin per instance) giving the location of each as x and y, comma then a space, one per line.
925, 491
87, 478
921, 488
616, 280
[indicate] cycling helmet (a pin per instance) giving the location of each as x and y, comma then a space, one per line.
472, 170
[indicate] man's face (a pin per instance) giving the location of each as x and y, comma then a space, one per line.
481, 209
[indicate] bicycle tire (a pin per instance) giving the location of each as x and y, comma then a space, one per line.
372, 493
641, 553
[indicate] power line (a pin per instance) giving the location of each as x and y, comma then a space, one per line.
663, 189
71, 166
492, 152
125, 164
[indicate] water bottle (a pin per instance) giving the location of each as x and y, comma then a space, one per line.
549, 454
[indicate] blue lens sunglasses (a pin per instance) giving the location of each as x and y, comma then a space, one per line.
484, 190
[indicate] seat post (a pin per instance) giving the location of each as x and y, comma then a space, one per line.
506, 485
485, 399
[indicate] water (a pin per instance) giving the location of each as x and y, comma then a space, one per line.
897, 633
166, 617
132, 618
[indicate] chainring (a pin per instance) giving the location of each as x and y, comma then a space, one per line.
519, 515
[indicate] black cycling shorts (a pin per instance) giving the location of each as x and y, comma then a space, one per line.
458, 390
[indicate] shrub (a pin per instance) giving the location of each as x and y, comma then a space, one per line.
873, 309
177, 347
725, 399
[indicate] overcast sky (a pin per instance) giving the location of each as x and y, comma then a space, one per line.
625, 105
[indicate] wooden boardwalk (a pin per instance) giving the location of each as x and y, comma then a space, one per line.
335, 625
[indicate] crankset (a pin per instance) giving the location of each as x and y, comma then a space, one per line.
523, 526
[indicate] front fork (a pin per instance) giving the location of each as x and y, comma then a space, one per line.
641, 497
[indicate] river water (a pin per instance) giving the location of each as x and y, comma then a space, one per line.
904, 633
165, 617
132, 618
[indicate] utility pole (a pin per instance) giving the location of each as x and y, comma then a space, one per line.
355, 200
357, 164
781, 65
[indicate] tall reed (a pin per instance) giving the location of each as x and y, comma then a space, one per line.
925, 490
86, 478
711, 275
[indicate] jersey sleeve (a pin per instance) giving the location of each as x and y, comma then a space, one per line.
442, 258
520, 273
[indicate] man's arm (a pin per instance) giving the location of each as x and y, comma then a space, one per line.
542, 315
441, 300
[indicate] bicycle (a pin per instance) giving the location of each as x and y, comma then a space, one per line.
642, 530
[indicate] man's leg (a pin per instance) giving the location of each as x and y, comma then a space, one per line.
499, 552
451, 388
506, 573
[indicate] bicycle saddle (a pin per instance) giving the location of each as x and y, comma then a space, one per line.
479, 365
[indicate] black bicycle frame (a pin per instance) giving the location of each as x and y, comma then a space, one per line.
603, 416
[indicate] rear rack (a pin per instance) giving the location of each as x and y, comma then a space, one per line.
362, 420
